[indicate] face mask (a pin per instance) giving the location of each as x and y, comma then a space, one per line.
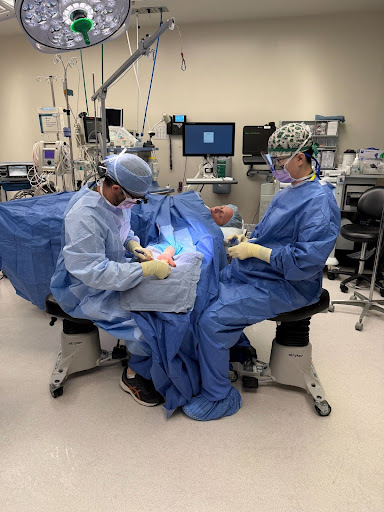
127, 204
105, 199
283, 175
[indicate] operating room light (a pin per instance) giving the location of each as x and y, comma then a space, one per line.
53, 26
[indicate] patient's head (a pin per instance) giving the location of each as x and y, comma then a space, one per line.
226, 216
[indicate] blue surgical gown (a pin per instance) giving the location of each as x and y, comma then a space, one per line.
300, 226
93, 266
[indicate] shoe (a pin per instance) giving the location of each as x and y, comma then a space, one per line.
141, 389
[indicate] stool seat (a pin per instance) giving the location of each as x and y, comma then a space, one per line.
358, 233
53, 308
305, 312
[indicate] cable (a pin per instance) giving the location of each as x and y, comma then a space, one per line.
185, 169
257, 211
153, 71
102, 63
183, 63
85, 88
139, 93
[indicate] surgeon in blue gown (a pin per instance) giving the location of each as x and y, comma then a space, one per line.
278, 270
94, 265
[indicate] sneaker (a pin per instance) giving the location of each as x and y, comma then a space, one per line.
141, 389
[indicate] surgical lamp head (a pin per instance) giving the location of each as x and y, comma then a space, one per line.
55, 26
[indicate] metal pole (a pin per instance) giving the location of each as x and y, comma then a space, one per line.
103, 126
50, 78
95, 115
144, 45
377, 256
69, 128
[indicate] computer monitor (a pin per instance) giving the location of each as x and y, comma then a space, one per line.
92, 128
114, 116
255, 138
214, 139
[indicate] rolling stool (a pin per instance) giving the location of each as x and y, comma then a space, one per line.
370, 205
291, 356
373, 201
80, 347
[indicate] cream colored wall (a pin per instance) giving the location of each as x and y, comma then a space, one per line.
250, 73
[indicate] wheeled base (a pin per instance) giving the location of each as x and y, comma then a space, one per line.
81, 351
357, 299
289, 366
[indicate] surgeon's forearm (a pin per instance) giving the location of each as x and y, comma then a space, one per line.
104, 274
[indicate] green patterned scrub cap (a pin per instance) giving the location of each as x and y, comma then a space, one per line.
290, 138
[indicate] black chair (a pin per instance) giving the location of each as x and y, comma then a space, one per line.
291, 356
369, 205
80, 347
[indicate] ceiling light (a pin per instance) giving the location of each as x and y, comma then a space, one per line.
54, 26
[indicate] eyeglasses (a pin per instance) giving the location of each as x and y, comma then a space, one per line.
128, 195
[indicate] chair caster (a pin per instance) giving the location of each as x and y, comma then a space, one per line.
331, 276
359, 326
323, 408
57, 392
331, 308
344, 288
382, 293
249, 382
353, 297
233, 375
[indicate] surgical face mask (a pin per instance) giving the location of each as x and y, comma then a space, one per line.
283, 175
127, 204
105, 199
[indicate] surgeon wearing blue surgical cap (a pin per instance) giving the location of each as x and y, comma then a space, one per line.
94, 265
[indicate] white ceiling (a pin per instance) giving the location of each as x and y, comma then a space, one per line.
208, 11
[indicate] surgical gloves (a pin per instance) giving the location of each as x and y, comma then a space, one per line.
139, 252
238, 238
156, 268
246, 250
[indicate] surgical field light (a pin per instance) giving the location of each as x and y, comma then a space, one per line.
54, 26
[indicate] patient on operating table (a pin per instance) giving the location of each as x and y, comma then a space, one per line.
226, 216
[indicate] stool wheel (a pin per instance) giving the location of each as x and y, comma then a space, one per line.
382, 293
331, 276
323, 409
344, 288
233, 375
250, 382
353, 297
331, 308
57, 392
359, 326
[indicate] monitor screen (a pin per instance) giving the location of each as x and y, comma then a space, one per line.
255, 138
215, 139
17, 170
114, 116
49, 154
92, 128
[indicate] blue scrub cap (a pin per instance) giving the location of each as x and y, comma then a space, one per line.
235, 221
131, 172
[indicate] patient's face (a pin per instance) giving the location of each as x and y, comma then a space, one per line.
221, 214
